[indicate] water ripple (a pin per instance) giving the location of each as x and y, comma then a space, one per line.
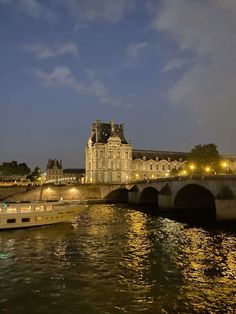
113, 259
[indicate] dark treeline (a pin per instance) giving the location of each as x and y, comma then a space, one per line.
14, 168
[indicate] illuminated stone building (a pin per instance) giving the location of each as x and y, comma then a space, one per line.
54, 171
56, 174
111, 159
108, 154
151, 164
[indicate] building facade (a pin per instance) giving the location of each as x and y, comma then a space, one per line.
151, 164
56, 174
54, 171
111, 159
108, 154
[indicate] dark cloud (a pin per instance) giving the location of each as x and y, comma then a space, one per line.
207, 89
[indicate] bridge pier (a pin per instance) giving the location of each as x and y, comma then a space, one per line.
134, 198
165, 201
225, 209
166, 198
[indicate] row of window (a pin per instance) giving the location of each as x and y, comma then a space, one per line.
117, 166
151, 167
111, 154
27, 219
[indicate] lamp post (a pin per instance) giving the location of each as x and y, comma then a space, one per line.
225, 166
192, 167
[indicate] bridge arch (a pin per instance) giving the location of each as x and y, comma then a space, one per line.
195, 202
194, 196
134, 189
149, 195
118, 195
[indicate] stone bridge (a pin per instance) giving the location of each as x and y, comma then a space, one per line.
211, 192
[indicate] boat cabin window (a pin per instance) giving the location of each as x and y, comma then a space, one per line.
25, 220
11, 209
25, 209
39, 208
10, 221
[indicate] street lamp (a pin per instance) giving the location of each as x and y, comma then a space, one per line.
208, 169
225, 166
192, 167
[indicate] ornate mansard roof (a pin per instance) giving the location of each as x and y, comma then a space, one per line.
102, 131
158, 155
54, 163
74, 171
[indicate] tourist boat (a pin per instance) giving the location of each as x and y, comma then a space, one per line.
30, 214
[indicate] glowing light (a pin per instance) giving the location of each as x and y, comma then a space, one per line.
192, 166
208, 169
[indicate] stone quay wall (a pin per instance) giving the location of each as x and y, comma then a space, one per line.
8, 191
53, 192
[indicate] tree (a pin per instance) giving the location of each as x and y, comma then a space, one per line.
35, 175
13, 168
204, 159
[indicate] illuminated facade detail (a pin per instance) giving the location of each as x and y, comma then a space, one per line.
148, 164
54, 171
110, 159
56, 174
108, 154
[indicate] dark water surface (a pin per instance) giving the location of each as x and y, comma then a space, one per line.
114, 259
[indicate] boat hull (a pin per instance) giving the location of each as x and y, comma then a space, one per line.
58, 214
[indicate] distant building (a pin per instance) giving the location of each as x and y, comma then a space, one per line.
151, 164
56, 174
108, 154
54, 171
73, 175
111, 159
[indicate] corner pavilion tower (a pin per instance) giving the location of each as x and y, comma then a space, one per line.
108, 154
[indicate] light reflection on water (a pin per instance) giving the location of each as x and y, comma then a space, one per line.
113, 259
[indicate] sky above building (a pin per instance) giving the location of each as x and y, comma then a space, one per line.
164, 68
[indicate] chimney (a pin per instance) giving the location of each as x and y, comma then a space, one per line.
112, 122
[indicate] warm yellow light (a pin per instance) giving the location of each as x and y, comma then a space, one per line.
137, 175
224, 164
208, 169
192, 167
184, 172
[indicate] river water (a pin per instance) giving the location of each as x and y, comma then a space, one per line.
114, 259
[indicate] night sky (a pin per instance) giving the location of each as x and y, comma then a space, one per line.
166, 69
